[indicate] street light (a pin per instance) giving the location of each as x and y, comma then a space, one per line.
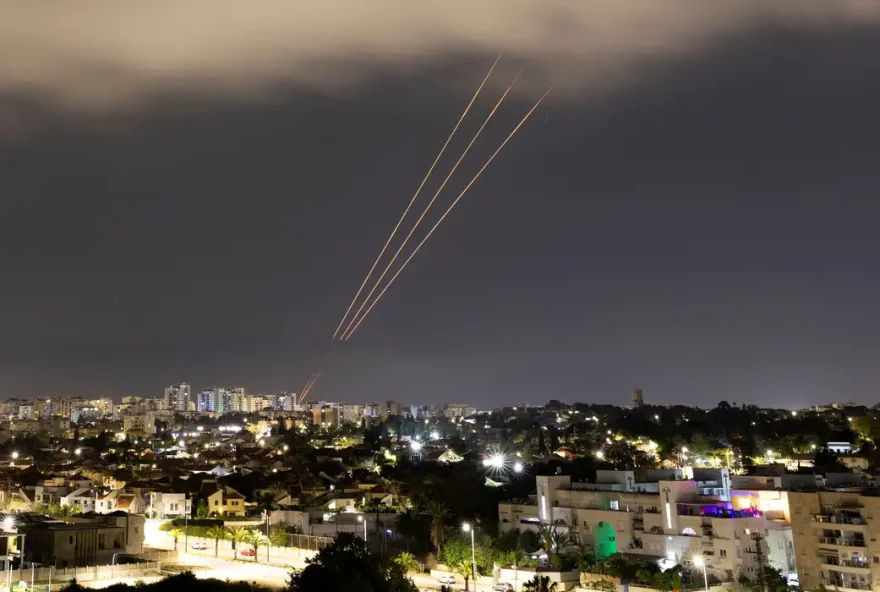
415, 446
9, 523
361, 519
466, 527
517, 467
700, 561
78, 451
600, 455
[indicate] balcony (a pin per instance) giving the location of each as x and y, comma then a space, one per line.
846, 585
842, 542
838, 519
846, 565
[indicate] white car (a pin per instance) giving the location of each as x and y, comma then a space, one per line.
502, 587
446, 580
197, 546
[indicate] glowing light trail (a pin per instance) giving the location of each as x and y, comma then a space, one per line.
350, 332
413, 199
310, 383
430, 204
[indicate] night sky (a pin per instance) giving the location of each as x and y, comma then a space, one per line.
699, 221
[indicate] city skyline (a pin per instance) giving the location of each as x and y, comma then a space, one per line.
690, 213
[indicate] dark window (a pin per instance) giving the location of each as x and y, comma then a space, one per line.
71, 540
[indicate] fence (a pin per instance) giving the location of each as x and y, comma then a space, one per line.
309, 542
82, 574
162, 555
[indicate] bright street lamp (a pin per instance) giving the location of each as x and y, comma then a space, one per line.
517, 467
466, 527
15, 455
600, 455
496, 461
9, 523
435, 435
78, 451
700, 561
415, 445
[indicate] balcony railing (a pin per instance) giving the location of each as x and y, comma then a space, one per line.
834, 519
845, 562
841, 541
848, 584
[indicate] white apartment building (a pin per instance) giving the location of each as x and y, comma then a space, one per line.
835, 536
177, 397
672, 516
168, 505
84, 498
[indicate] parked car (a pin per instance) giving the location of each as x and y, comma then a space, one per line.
200, 546
247, 553
502, 587
446, 580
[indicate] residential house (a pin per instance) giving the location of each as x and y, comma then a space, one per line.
84, 498
167, 504
222, 501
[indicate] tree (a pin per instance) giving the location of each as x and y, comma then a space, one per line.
238, 535
349, 565
278, 537
256, 539
552, 538
176, 533
439, 513
202, 510
218, 533
540, 584
408, 562
456, 555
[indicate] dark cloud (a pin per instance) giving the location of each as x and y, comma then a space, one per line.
97, 54
704, 231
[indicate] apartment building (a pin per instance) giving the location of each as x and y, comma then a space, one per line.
671, 516
835, 538
166, 504
83, 541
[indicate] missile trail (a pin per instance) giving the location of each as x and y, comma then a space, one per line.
430, 204
415, 195
350, 332
313, 378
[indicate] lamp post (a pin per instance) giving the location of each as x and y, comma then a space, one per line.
185, 523
700, 561
362, 519
466, 527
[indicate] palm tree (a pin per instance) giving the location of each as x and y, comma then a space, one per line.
552, 538
256, 539
176, 533
237, 535
408, 562
540, 584
393, 488
438, 513
217, 533
465, 569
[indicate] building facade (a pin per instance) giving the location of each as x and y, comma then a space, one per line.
665, 516
835, 537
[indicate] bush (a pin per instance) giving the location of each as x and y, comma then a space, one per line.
182, 522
